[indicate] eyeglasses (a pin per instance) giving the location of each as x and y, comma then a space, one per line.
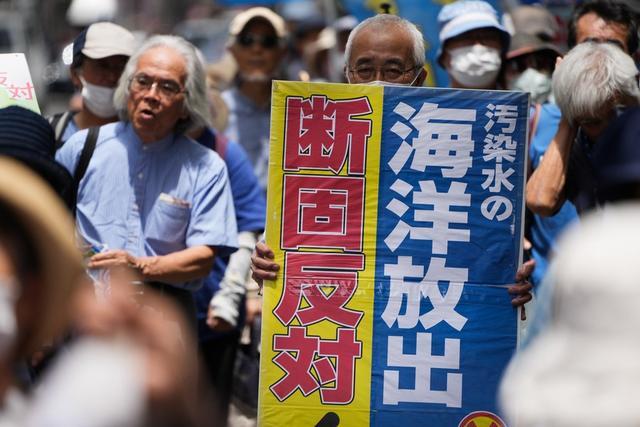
390, 73
267, 42
167, 89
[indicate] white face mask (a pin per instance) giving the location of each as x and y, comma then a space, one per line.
8, 324
476, 66
537, 83
98, 99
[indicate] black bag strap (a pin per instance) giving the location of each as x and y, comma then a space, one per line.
59, 123
83, 163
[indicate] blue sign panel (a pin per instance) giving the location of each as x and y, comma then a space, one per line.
452, 175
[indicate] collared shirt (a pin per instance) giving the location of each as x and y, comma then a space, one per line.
71, 128
152, 198
249, 126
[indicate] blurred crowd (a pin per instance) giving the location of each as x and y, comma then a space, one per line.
131, 220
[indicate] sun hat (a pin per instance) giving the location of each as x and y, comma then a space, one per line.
52, 232
466, 15
523, 44
584, 366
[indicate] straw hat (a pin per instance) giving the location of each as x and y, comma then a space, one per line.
52, 232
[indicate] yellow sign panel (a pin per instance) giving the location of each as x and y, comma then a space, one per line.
316, 353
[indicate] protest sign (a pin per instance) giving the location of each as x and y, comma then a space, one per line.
396, 216
16, 86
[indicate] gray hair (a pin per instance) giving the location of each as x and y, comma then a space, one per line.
591, 77
383, 21
196, 102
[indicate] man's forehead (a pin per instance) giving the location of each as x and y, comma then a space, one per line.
386, 44
163, 60
593, 27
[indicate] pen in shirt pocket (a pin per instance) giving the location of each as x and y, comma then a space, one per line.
167, 198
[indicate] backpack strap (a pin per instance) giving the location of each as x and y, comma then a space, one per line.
59, 123
83, 163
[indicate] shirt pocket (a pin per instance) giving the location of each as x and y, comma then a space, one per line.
167, 227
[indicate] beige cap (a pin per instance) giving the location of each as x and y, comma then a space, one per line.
242, 19
105, 39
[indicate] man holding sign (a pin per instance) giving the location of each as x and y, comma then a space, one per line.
396, 214
385, 49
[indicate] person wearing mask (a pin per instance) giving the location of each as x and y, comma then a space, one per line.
258, 45
96, 57
384, 49
566, 168
473, 45
529, 66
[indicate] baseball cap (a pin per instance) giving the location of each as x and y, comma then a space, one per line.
242, 19
466, 15
101, 40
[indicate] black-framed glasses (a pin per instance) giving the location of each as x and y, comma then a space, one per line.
267, 42
168, 89
389, 73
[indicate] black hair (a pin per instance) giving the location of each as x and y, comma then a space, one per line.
610, 11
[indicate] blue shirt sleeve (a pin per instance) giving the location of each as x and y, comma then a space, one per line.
213, 220
248, 197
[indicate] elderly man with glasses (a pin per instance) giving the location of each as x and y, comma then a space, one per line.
151, 198
385, 49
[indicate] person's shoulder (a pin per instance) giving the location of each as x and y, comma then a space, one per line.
201, 156
112, 130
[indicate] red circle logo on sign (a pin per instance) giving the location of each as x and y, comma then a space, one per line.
482, 419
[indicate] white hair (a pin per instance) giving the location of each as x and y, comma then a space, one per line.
593, 76
195, 103
381, 23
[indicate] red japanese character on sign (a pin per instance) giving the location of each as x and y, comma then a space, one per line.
21, 92
346, 350
3, 78
323, 212
308, 275
321, 132
312, 352
297, 369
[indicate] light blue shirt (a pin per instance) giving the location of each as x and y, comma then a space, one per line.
71, 128
152, 199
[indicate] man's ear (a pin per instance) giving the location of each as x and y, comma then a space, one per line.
75, 77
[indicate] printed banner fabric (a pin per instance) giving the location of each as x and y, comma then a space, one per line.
395, 214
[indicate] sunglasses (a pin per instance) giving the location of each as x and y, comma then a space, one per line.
267, 42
